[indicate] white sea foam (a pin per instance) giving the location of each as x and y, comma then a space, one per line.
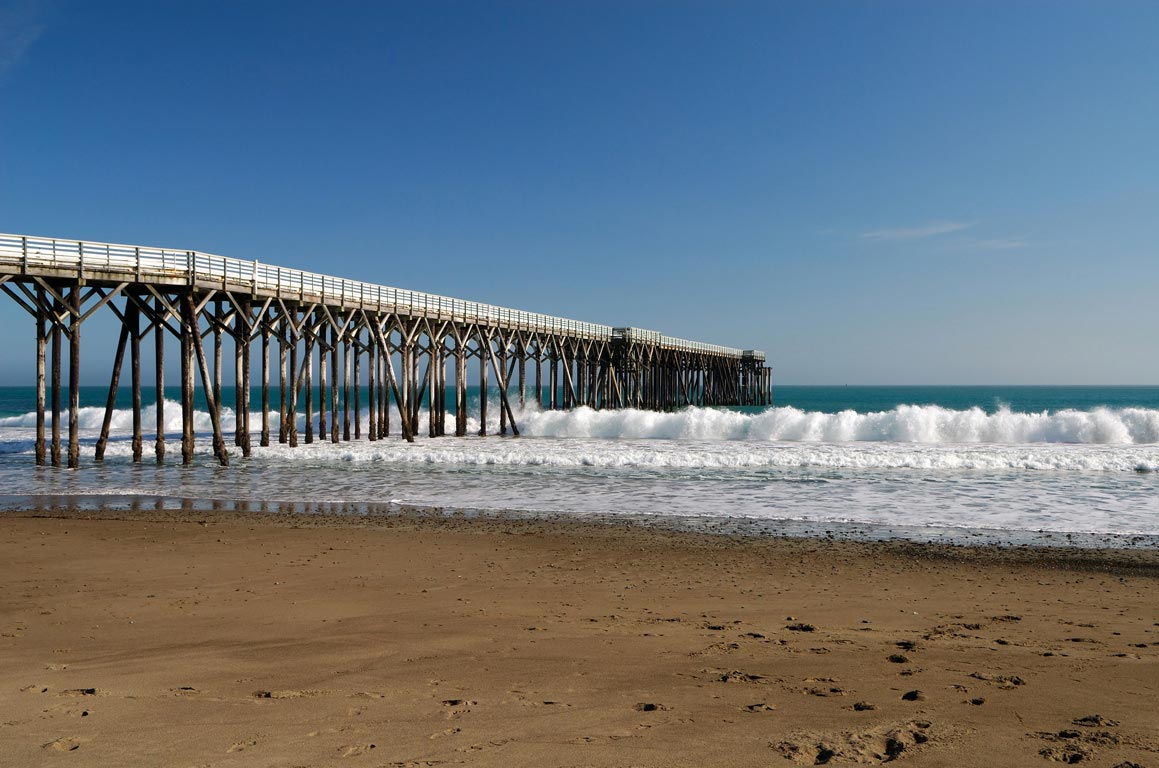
1091, 471
904, 424
928, 424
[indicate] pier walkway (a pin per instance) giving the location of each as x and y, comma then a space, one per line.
329, 341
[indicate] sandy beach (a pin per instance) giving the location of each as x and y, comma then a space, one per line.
215, 640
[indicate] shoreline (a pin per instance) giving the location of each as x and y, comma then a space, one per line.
111, 505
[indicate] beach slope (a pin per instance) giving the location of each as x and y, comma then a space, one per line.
214, 640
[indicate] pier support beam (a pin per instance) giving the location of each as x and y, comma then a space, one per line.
159, 379
111, 401
265, 438
74, 378
41, 343
207, 385
188, 330
133, 316
54, 448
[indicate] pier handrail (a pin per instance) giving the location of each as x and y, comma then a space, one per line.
133, 261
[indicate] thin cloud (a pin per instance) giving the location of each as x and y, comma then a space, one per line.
916, 233
18, 32
1000, 244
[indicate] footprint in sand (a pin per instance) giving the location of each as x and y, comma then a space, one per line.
875, 746
241, 746
458, 707
63, 744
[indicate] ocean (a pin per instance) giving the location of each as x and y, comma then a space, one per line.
979, 464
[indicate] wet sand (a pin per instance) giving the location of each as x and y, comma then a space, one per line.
241, 640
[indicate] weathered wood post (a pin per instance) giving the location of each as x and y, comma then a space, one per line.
386, 373
539, 376
74, 378
55, 383
265, 438
358, 348
210, 395
283, 349
309, 376
484, 353
159, 378
290, 417
502, 366
133, 315
521, 352
188, 330
245, 337
460, 385
371, 394
218, 320
323, 375
41, 342
114, 381
346, 349
334, 385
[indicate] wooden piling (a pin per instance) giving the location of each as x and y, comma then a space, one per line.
210, 394
189, 329
54, 449
217, 320
346, 348
41, 343
283, 395
244, 337
265, 438
539, 377
309, 378
357, 387
133, 314
111, 400
74, 378
460, 388
484, 350
334, 385
371, 394
323, 375
501, 366
159, 380
295, 380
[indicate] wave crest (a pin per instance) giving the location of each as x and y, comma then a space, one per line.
928, 424
903, 424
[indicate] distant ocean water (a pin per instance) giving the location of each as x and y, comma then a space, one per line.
1043, 464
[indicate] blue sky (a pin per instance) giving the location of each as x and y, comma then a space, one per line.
872, 192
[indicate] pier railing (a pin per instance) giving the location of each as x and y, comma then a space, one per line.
141, 263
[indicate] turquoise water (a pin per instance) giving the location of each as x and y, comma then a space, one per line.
831, 399
823, 399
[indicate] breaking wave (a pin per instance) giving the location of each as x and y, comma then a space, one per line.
928, 424
906, 437
903, 424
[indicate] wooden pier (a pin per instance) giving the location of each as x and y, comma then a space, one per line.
328, 342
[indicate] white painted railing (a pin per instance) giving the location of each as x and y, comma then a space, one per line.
21, 253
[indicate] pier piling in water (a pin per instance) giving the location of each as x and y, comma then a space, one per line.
406, 339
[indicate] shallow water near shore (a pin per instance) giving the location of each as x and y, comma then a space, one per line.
1075, 476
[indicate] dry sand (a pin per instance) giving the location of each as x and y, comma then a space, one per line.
247, 641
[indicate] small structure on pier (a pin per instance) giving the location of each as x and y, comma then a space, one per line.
393, 344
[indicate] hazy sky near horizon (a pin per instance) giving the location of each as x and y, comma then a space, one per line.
885, 192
